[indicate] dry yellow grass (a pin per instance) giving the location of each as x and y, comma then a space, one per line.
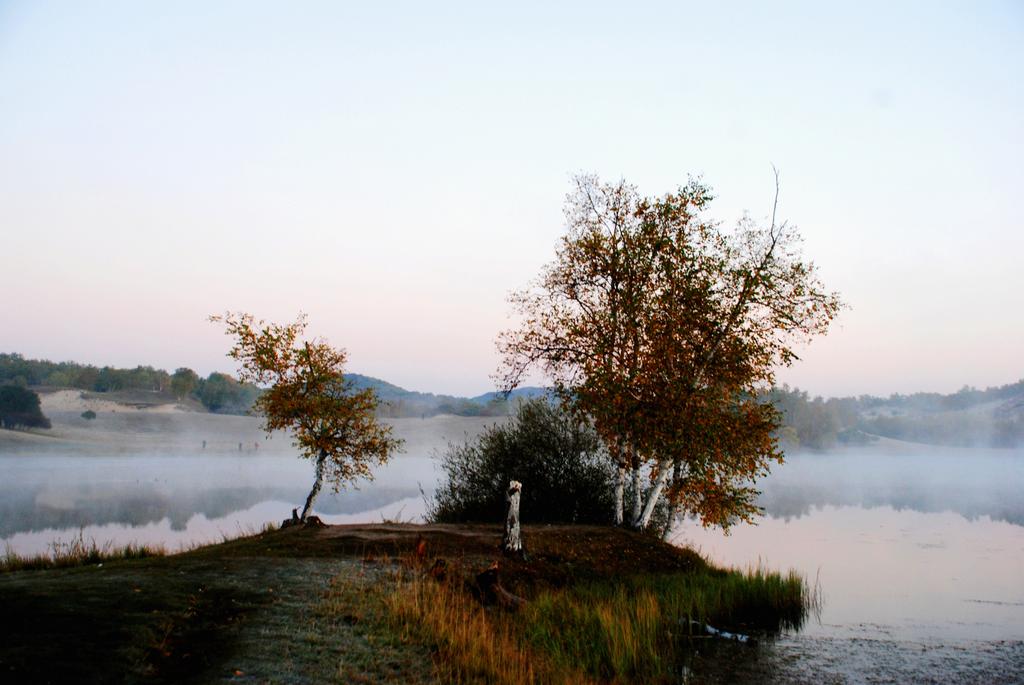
475, 644
626, 630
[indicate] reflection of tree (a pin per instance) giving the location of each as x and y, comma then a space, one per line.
24, 508
143, 504
793, 501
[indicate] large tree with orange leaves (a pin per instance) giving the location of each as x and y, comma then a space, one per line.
662, 328
308, 395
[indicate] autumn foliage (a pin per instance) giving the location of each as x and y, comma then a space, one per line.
663, 329
307, 394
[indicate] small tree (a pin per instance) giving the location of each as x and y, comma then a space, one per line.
183, 382
19, 408
222, 394
308, 395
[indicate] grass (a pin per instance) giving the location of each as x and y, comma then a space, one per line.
79, 552
352, 604
475, 645
632, 630
351, 613
192, 617
76, 552
640, 630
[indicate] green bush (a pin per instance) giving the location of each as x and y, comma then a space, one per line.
565, 474
19, 408
222, 394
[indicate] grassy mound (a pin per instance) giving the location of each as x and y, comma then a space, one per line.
356, 604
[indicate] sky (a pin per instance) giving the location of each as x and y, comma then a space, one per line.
394, 170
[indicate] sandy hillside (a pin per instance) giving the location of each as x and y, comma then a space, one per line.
137, 427
62, 401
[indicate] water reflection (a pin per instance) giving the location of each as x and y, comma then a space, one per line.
890, 574
972, 483
197, 530
65, 493
169, 484
907, 596
920, 560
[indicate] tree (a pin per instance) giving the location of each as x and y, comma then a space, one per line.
222, 394
183, 382
811, 423
19, 408
663, 329
308, 395
109, 379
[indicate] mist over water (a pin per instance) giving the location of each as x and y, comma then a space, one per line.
970, 482
58, 494
176, 493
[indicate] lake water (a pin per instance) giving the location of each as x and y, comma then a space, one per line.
919, 557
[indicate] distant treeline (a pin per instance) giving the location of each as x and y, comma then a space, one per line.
993, 417
457, 406
218, 392
224, 394
969, 417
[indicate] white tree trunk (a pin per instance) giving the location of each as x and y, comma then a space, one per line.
513, 542
638, 496
665, 470
620, 491
317, 484
673, 509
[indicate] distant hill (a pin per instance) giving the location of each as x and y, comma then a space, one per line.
525, 393
401, 402
384, 390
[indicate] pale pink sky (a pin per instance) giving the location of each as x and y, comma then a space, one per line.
395, 173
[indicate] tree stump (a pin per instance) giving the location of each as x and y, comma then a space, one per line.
490, 591
513, 540
293, 521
